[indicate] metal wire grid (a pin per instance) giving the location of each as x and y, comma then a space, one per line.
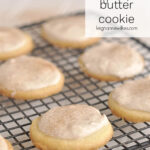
146, 41
16, 116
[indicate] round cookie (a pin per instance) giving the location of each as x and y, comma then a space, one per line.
28, 77
67, 32
5, 144
71, 128
14, 42
131, 101
111, 62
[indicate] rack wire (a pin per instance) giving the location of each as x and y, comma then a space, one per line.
16, 116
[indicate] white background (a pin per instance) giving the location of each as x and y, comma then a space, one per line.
140, 11
17, 12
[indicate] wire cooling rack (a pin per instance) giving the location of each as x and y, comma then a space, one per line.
16, 116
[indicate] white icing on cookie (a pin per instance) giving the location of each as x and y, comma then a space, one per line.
72, 122
3, 144
11, 39
134, 95
112, 59
69, 29
28, 73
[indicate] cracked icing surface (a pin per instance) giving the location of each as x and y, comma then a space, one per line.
72, 122
28, 73
134, 95
113, 59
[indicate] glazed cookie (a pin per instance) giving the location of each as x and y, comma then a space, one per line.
14, 42
4, 144
28, 78
71, 127
67, 32
111, 62
131, 101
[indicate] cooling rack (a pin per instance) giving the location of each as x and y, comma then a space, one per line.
145, 41
16, 116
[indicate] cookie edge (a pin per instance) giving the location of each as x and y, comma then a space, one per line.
9, 145
127, 114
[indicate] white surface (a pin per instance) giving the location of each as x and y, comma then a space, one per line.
117, 21
18, 12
